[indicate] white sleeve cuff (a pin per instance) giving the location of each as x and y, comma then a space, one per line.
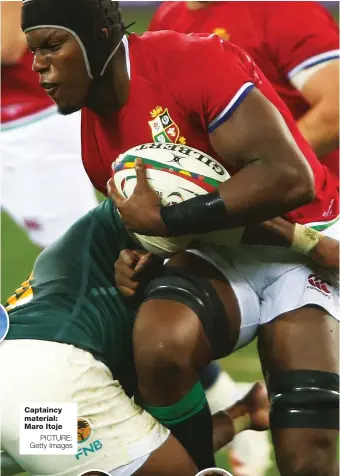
301, 78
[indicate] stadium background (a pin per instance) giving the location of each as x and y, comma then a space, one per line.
18, 254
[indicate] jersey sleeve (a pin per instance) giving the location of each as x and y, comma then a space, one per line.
300, 35
218, 77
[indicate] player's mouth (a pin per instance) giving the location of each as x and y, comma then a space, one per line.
50, 88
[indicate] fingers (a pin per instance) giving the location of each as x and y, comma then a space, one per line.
129, 257
113, 193
126, 267
142, 179
143, 261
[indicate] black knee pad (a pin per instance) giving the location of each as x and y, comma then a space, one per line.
200, 296
304, 399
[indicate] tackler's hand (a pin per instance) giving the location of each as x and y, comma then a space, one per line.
127, 267
141, 211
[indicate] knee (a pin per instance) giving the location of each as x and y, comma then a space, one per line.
315, 456
166, 347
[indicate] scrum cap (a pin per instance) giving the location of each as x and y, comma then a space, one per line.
97, 25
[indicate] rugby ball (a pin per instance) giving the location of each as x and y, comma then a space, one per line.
177, 173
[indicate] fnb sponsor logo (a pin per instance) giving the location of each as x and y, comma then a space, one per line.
91, 448
319, 284
84, 432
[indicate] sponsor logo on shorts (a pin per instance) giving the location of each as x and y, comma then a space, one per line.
32, 224
319, 284
84, 432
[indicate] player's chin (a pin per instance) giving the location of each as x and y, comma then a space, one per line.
65, 110
67, 107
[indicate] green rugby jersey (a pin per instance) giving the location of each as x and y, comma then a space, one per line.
70, 296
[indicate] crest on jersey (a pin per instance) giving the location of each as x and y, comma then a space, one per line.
163, 128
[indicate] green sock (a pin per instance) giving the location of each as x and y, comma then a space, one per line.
190, 422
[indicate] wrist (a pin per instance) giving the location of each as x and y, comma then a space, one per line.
305, 239
201, 214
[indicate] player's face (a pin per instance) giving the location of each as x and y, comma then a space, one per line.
61, 65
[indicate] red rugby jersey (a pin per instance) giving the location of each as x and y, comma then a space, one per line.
182, 87
21, 95
282, 37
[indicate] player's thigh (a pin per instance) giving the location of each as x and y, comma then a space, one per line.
113, 432
237, 298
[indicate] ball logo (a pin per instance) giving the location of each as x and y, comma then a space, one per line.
84, 430
4, 323
318, 283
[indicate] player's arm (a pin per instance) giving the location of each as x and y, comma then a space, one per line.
13, 42
135, 268
320, 125
273, 178
304, 40
279, 232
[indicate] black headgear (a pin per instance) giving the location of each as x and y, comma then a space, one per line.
96, 24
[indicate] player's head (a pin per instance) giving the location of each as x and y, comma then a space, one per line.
73, 42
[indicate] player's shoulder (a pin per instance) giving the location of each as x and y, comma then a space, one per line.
179, 49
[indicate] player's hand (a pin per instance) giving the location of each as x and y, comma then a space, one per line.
141, 211
134, 268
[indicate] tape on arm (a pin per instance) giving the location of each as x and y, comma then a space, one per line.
305, 239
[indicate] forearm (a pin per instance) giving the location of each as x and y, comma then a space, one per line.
256, 193
320, 127
274, 232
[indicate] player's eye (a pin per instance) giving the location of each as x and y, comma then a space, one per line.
54, 47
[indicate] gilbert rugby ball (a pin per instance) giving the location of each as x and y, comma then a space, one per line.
177, 173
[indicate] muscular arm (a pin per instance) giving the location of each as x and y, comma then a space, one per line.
275, 177
13, 42
320, 125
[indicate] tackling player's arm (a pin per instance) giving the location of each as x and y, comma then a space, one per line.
13, 41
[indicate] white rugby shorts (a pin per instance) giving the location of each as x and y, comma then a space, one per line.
44, 187
120, 435
270, 281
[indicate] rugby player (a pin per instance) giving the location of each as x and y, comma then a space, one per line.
208, 93
70, 340
34, 141
296, 45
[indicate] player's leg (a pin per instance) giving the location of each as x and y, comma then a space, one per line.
104, 410
44, 186
68, 374
299, 354
250, 411
182, 326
